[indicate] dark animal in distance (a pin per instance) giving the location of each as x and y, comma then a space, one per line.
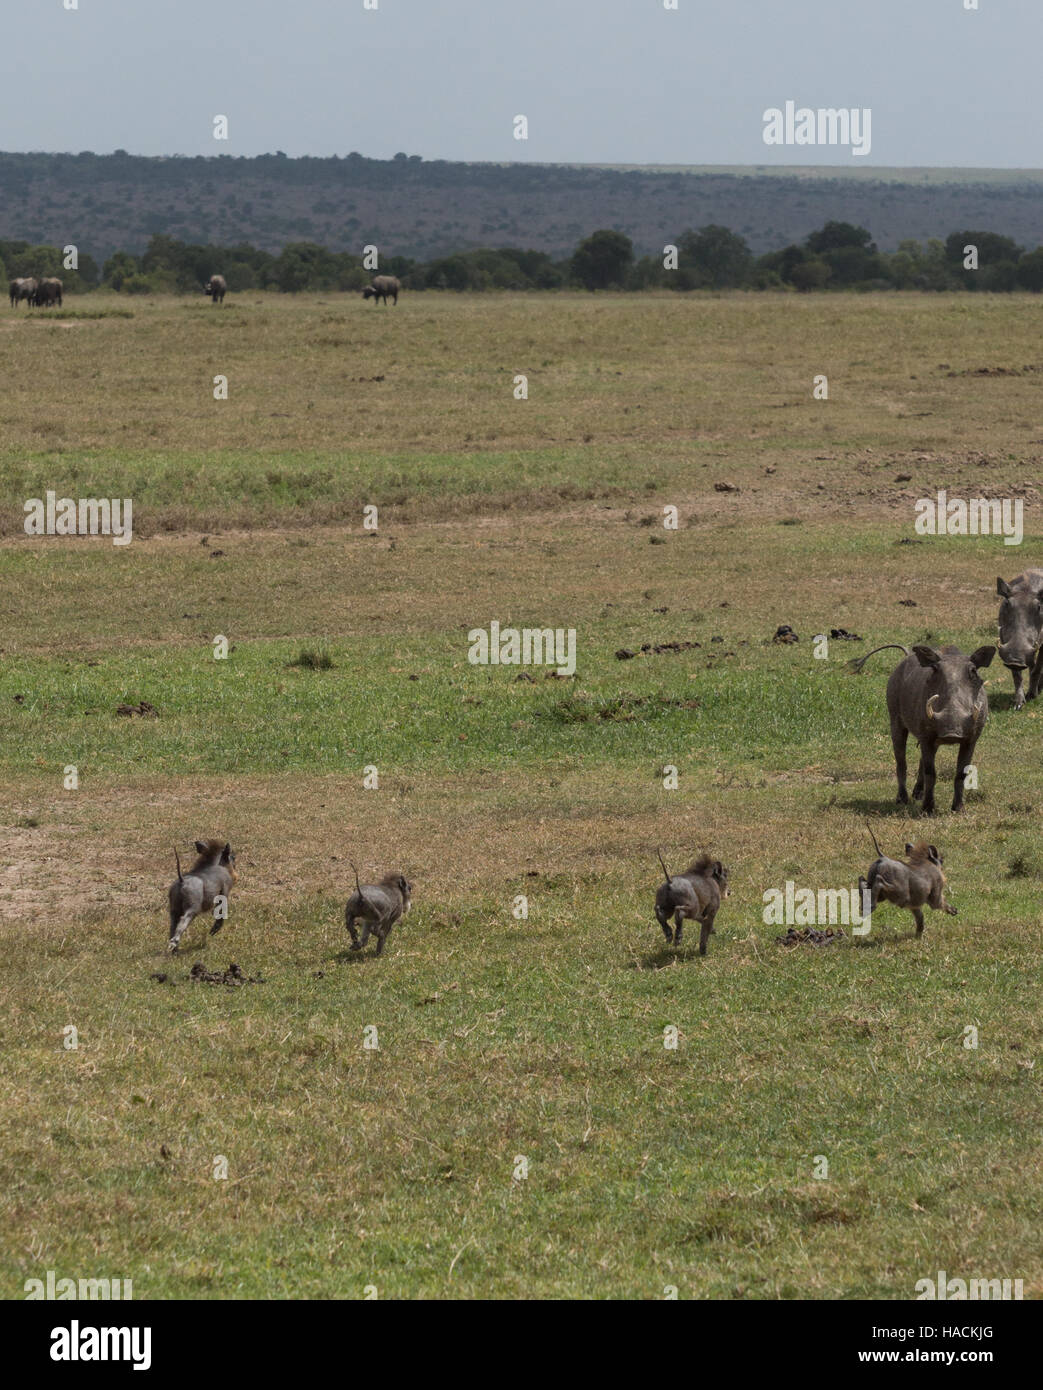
24, 287
210, 877
382, 286
912, 885
49, 291
1021, 631
378, 906
695, 894
216, 288
938, 697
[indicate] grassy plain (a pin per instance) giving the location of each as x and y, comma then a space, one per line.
500, 1038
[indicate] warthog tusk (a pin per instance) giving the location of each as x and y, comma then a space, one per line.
933, 713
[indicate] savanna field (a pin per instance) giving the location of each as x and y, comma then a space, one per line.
503, 1039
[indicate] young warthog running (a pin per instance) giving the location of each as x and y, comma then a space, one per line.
1021, 631
695, 894
210, 878
379, 905
910, 885
938, 697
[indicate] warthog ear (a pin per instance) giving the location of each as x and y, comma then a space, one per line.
202, 846
927, 656
932, 853
908, 849
718, 869
226, 854
983, 657
1003, 588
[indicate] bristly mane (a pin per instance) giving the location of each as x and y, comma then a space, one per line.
702, 865
214, 850
920, 853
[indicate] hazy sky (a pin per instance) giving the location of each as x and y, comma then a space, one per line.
604, 81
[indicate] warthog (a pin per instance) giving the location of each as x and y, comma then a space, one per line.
216, 287
938, 697
49, 291
913, 885
22, 288
695, 894
381, 287
1021, 631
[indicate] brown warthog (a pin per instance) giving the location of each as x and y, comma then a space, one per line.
938, 697
695, 894
216, 287
382, 286
1021, 631
49, 291
914, 885
22, 288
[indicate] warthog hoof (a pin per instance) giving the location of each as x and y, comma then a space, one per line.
952, 911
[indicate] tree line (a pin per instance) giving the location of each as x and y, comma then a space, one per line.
839, 256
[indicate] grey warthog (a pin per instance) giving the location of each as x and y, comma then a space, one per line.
381, 287
938, 697
22, 288
914, 885
695, 894
210, 877
1021, 631
379, 906
49, 291
216, 287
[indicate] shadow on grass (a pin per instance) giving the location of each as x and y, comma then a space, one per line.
886, 810
665, 955
350, 957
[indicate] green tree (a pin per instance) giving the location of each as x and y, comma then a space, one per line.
716, 256
119, 268
834, 236
603, 259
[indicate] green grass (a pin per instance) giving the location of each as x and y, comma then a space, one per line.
503, 1037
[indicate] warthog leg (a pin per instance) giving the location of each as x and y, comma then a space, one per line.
899, 737
1019, 694
918, 916
1036, 679
927, 761
963, 761
918, 784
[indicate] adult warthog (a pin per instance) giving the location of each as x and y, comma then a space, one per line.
1021, 631
216, 288
381, 287
938, 697
49, 291
22, 288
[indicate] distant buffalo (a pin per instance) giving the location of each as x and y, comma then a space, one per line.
49, 291
22, 288
382, 286
216, 287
